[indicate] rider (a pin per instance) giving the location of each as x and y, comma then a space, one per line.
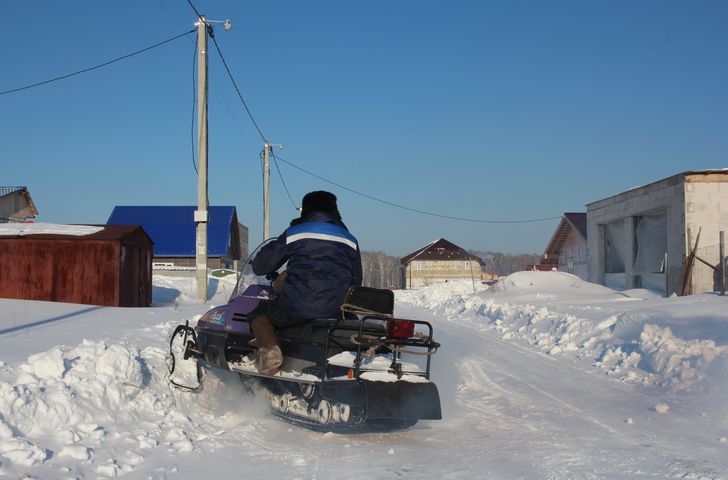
323, 262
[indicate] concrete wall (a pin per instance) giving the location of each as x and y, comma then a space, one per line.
421, 273
572, 257
692, 202
666, 196
706, 210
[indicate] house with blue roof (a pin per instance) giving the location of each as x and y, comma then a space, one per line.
173, 230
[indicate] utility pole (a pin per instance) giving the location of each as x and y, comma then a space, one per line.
267, 151
266, 191
201, 214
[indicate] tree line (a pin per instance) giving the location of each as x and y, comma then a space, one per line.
381, 270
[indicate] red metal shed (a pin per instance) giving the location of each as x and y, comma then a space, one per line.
112, 267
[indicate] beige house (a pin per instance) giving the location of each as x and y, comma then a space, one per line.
567, 248
642, 237
16, 205
439, 262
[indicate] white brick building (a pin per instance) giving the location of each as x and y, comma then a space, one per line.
641, 237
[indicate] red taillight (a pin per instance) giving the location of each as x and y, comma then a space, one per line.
401, 328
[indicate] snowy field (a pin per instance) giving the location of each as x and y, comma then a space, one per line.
542, 376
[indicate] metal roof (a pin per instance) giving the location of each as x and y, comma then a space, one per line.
440, 250
173, 230
8, 190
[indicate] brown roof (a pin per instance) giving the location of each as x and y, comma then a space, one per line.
569, 222
440, 250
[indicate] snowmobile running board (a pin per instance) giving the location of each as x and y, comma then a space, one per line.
284, 374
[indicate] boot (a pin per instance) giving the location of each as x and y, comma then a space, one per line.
270, 357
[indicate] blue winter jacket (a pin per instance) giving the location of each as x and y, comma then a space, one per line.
323, 262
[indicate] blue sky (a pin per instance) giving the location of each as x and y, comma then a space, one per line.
509, 110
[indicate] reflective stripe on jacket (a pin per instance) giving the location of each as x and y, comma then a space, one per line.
323, 262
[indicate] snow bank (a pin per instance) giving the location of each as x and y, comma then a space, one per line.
634, 336
101, 406
177, 290
73, 391
550, 282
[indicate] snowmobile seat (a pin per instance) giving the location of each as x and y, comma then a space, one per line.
367, 300
306, 341
328, 336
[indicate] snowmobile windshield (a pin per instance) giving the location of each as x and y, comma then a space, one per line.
246, 276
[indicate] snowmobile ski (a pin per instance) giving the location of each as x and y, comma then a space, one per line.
184, 371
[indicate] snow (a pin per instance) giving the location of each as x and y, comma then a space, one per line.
381, 363
540, 376
21, 229
635, 335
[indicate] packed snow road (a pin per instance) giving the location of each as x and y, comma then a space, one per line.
516, 413
102, 407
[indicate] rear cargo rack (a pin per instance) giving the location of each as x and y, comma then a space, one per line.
367, 313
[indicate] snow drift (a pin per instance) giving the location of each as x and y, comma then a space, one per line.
635, 336
84, 391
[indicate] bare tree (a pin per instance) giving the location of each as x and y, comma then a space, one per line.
381, 270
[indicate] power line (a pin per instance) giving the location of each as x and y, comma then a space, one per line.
195, 9
252, 119
276, 158
97, 66
423, 212
255, 124
285, 187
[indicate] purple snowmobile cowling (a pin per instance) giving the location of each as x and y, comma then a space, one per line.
232, 317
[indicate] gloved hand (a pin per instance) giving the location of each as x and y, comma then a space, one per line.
278, 281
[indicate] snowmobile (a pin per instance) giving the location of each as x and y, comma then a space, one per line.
339, 374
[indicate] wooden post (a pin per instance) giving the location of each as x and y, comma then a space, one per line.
667, 275
689, 261
722, 262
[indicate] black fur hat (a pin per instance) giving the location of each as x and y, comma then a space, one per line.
319, 201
